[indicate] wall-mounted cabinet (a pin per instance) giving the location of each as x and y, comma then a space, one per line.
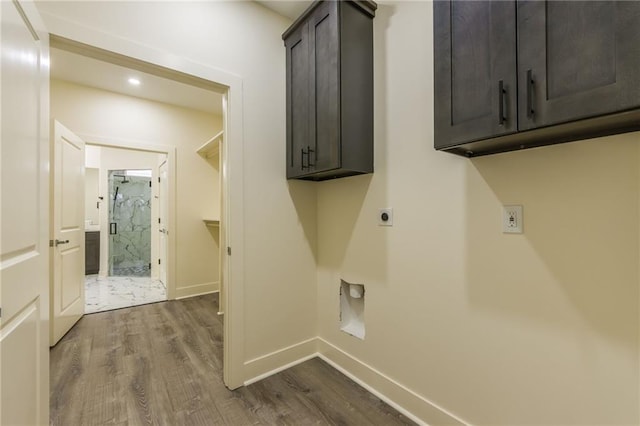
329, 52
512, 75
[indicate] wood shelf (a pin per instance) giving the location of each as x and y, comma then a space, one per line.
211, 148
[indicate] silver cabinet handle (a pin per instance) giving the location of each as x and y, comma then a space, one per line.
58, 242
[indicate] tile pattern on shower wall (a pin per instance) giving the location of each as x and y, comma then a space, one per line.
130, 210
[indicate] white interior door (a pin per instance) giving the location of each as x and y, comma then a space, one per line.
68, 232
24, 208
163, 194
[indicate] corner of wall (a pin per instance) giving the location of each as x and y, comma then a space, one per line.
398, 396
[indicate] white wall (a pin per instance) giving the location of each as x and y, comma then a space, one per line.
539, 328
244, 39
108, 115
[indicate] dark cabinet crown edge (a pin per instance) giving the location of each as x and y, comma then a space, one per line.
367, 6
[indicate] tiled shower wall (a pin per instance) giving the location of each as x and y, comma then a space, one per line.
129, 224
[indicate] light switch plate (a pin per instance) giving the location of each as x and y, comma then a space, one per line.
512, 219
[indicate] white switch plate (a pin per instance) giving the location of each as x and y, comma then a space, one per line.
512, 219
389, 215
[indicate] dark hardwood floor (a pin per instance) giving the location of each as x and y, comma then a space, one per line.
161, 364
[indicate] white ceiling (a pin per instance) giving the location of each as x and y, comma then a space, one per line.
103, 75
291, 9
91, 72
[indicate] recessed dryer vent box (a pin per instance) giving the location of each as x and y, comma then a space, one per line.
352, 309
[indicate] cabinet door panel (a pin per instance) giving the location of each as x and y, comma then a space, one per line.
298, 130
325, 95
582, 57
475, 72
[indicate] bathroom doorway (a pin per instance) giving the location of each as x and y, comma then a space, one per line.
122, 198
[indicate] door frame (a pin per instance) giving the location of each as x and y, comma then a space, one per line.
163, 215
72, 37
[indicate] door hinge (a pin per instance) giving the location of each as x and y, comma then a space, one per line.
149, 184
158, 261
149, 265
50, 243
158, 179
0, 312
158, 220
229, 251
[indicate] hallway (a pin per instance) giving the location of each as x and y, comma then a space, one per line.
161, 364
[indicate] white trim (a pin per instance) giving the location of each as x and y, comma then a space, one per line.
274, 362
279, 369
403, 399
233, 330
197, 290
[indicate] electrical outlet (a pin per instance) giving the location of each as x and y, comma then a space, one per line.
385, 217
512, 220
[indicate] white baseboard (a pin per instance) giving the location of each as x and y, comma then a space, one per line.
275, 362
414, 406
197, 290
406, 401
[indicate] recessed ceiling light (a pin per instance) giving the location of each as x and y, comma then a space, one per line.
134, 81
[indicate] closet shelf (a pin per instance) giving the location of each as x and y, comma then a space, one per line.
212, 222
211, 148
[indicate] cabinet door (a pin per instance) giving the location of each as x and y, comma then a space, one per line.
298, 87
92, 253
475, 70
577, 59
324, 61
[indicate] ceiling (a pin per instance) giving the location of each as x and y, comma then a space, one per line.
86, 71
291, 9
91, 72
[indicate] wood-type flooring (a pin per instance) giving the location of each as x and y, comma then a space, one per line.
161, 364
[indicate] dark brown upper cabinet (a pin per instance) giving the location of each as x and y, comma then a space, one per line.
519, 74
329, 53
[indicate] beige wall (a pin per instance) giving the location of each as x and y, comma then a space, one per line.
108, 115
91, 194
539, 328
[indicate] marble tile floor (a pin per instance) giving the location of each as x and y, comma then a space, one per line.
107, 293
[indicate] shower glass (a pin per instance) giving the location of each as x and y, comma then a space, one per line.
129, 223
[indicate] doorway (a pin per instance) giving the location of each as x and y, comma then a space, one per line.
230, 86
121, 201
